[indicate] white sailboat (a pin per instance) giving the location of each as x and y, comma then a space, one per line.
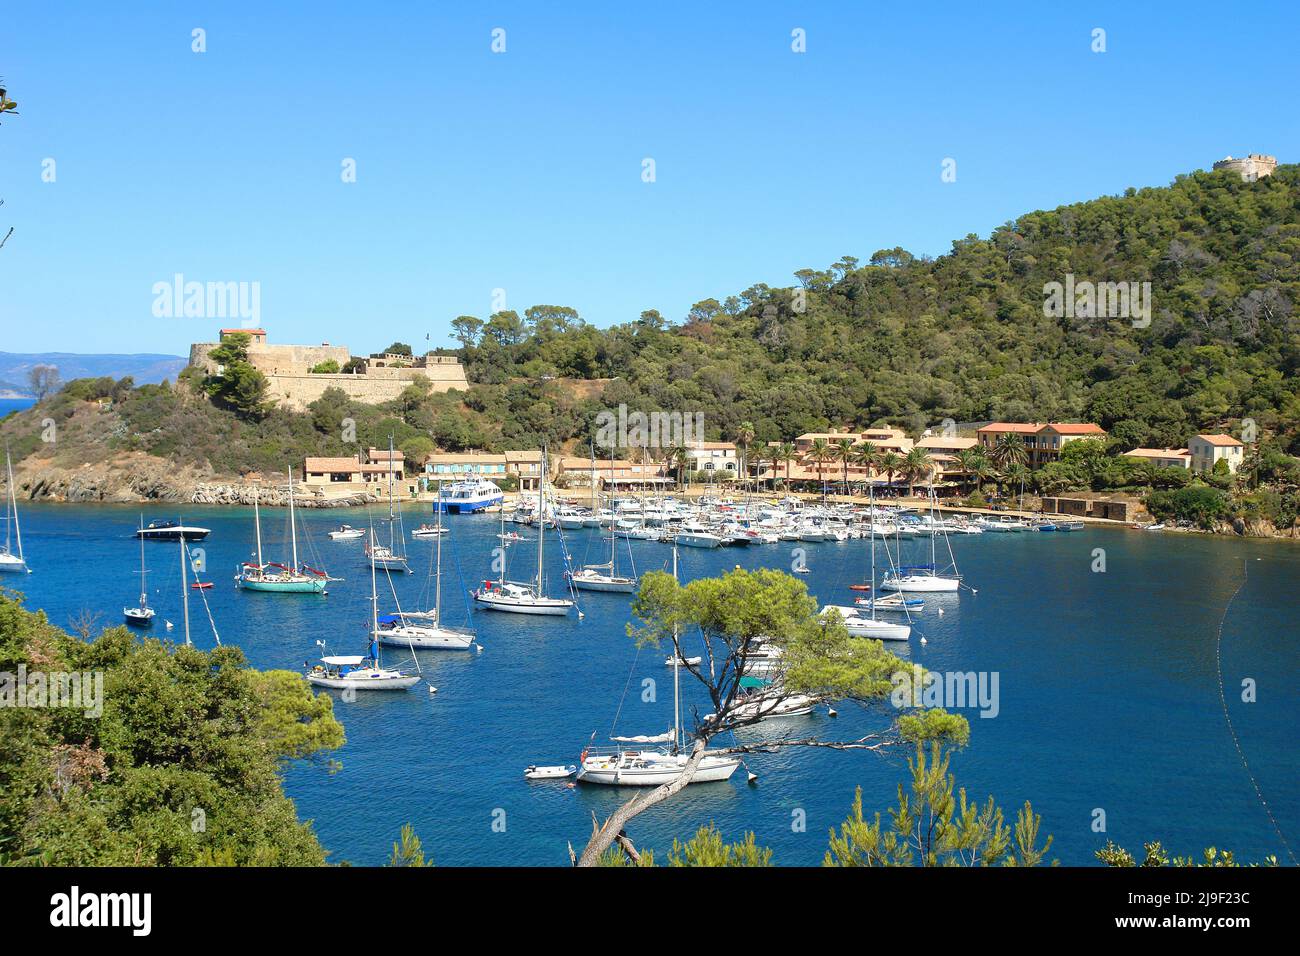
604, 577
867, 625
517, 597
142, 614
647, 765
397, 629
926, 577
293, 577
388, 557
9, 559
357, 672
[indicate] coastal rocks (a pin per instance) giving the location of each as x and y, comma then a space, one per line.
270, 496
135, 478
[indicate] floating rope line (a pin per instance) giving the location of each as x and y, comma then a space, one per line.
1223, 700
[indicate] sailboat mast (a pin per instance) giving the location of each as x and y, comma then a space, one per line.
257, 524
613, 547
13, 502
374, 598
871, 529
293, 527
144, 590
437, 584
185, 594
677, 684
541, 519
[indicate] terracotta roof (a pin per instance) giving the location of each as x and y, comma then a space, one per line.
382, 454
711, 446
938, 441
1074, 428
1023, 428
247, 331
332, 464
535, 455
1219, 440
1158, 453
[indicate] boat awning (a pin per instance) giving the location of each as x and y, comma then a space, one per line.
754, 682
342, 661
389, 618
644, 739
916, 567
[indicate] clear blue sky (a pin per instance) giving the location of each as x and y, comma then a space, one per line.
522, 170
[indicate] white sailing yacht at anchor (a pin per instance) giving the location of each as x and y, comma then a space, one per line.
926, 577
9, 560
142, 614
604, 577
860, 624
654, 766
411, 630
517, 597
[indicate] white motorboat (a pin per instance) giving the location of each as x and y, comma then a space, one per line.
347, 533
692, 535
468, 496
761, 698
428, 531
164, 530
676, 661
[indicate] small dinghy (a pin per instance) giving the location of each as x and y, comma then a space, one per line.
200, 585
549, 773
682, 661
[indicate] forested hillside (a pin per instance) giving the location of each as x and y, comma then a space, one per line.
912, 341
901, 340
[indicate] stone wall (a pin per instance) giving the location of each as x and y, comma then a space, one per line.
290, 384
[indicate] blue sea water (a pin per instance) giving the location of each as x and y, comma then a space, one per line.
1109, 687
8, 405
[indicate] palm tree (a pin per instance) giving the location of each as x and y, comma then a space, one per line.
820, 452
744, 436
786, 454
975, 464
868, 456
762, 455
891, 464
844, 452
917, 465
678, 457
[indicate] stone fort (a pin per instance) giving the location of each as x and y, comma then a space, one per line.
1251, 168
377, 378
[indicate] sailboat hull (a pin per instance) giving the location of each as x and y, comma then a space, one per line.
10, 562
555, 607
427, 637
654, 772
309, 586
605, 583
363, 683
920, 583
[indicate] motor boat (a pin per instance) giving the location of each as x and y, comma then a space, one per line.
166, 530
346, 533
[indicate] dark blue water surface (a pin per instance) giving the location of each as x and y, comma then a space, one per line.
1109, 686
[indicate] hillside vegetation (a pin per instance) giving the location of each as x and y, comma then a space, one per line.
899, 339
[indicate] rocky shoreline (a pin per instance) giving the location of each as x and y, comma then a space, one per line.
141, 479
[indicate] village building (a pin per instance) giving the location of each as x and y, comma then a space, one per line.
367, 472
1043, 441
1208, 450
1163, 457
574, 472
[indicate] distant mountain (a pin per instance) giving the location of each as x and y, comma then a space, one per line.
144, 368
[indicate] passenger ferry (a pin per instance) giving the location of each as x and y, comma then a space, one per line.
468, 496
